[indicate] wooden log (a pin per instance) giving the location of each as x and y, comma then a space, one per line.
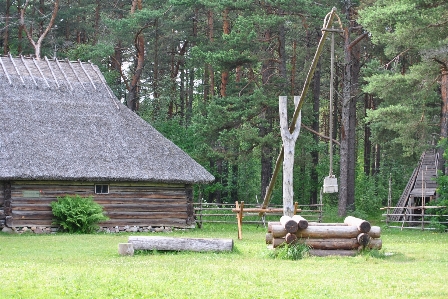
375, 244
362, 225
363, 239
269, 238
302, 223
180, 244
375, 232
126, 249
271, 223
278, 231
276, 242
326, 224
331, 244
322, 252
328, 232
289, 224
290, 238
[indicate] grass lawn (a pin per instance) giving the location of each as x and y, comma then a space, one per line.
88, 266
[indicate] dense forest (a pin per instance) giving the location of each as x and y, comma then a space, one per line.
208, 75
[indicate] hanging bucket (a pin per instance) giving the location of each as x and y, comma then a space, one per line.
330, 184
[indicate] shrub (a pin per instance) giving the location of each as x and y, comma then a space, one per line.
295, 251
77, 214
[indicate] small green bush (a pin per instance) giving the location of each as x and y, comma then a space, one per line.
77, 214
293, 252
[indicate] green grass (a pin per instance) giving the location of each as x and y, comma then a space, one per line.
88, 266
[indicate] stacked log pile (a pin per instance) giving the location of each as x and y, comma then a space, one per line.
325, 239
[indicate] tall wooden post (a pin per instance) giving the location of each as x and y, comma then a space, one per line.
289, 142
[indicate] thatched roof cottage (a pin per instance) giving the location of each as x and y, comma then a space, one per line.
62, 131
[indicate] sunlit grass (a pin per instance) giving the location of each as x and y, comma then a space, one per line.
412, 264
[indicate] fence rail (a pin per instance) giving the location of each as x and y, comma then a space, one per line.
413, 217
222, 213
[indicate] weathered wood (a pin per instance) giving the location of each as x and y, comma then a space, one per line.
278, 231
239, 219
362, 225
290, 238
376, 244
289, 224
259, 210
180, 244
333, 244
126, 249
375, 232
323, 253
128, 203
302, 223
269, 238
289, 141
343, 232
326, 224
363, 239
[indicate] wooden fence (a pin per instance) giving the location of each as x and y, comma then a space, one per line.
412, 217
222, 213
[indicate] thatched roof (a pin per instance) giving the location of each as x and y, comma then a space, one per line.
60, 121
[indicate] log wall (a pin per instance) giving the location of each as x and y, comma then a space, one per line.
128, 203
3, 192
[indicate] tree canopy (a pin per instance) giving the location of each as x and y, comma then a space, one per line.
208, 75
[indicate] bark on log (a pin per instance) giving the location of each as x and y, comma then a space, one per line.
331, 244
363, 239
375, 232
326, 224
278, 231
180, 244
327, 232
271, 223
321, 252
269, 238
362, 225
289, 224
375, 244
302, 223
277, 242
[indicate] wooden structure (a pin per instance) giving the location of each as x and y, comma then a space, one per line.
180, 244
222, 213
418, 193
240, 210
326, 239
63, 132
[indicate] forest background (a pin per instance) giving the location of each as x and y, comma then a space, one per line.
208, 74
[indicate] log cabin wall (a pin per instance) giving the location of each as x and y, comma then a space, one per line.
4, 187
126, 203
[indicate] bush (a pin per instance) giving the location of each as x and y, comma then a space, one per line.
295, 251
77, 214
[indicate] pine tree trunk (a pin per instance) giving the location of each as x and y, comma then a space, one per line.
6, 29
444, 116
226, 31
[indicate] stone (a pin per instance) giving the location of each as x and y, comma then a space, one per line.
7, 230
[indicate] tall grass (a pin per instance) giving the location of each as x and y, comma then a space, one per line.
414, 265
